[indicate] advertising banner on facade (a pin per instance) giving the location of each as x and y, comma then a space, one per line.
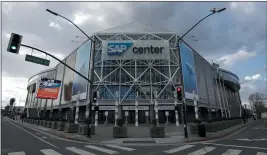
48, 89
68, 79
82, 66
188, 71
135, 50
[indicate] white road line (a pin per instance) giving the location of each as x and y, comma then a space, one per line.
79, 151
238, 146
17, 153
202, 151
120, 147
50, 152
178, 149
261, 153
34, 135
101, 149
232, 152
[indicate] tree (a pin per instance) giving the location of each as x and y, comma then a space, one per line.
7, 108
256, 99
12, 101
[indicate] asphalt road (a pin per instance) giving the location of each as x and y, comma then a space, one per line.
17, 138
21, 140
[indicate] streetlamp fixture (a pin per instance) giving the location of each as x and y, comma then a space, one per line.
213, 11
89, 105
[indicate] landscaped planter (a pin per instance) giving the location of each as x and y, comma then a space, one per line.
83, 129
71, 128
48, 124
157, 132
120, 131
44, 123
60, 126
37, 122
54, 125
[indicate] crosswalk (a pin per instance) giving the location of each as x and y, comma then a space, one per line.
206, 150
87, 150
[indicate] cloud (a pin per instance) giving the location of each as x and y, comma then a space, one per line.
219, 36
14, 87
254, 77
231, 59
246, 86
55, 25
80, 18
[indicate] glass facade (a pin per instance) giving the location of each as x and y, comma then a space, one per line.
132, 78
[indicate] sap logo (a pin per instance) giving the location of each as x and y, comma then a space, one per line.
118, 48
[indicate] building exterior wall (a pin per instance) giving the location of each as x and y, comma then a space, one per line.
143, 76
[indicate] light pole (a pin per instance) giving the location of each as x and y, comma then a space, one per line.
184, 104
89, 105
213, 11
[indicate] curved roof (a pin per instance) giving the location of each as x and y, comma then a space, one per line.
134, 27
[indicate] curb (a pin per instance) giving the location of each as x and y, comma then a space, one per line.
221, 136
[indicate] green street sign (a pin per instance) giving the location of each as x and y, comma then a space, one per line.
37, 60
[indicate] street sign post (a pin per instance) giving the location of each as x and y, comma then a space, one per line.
37, 60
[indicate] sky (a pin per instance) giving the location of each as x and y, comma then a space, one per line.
235, 38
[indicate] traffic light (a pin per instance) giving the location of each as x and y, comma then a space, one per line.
94, 96
14, 43
96, 108
179, 93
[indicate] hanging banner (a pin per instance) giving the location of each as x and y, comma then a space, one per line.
81, 65
188, 71
48, 89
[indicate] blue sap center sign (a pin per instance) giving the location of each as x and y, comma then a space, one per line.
135, 49
118, 48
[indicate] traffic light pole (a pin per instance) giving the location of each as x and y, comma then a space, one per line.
59, 61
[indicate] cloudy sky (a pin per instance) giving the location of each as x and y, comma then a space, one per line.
235, 38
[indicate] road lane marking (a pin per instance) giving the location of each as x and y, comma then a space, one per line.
50, 152
17, 153
79, 151
239, 146
261, 153
34, 135
232, 152
178, 149
120, 147
101, 149
245, 139
202, 151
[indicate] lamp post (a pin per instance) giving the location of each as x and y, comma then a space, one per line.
89, 105
213, 11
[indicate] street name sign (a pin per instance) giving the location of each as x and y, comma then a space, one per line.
37, 60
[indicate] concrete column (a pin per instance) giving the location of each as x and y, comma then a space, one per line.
96, 112
77, 108
116, 108
176, 111
195, 105
156, 108
136, 109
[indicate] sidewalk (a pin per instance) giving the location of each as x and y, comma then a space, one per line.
136, 135
220, 134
